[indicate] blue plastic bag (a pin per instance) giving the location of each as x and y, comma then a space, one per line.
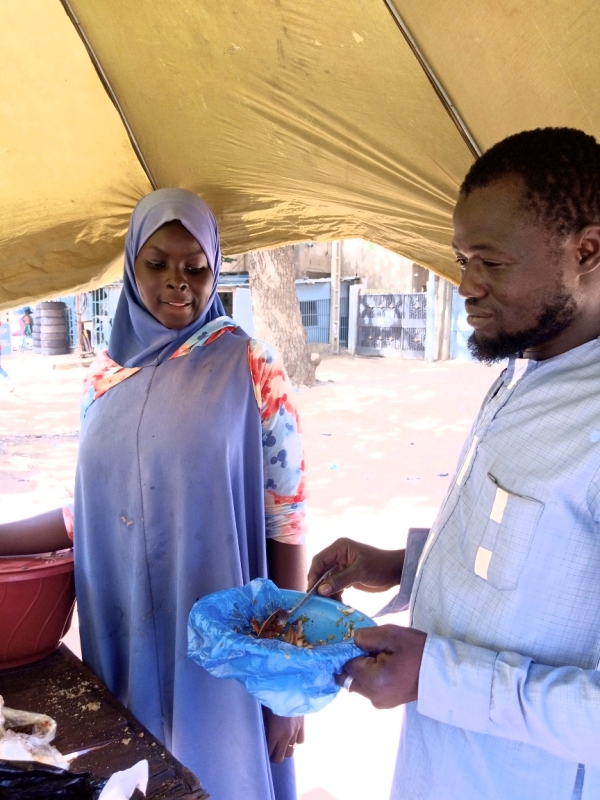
290, 680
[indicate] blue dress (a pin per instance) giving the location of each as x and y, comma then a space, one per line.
169, 506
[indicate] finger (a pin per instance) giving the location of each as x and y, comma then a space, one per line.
349, 683
356, 687
378, 639
340, 580
291, 749
300, 736
364, 672
341, 678
271, 745
359, 668
330, 557
280, 751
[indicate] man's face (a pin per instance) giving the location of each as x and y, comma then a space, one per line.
517, 293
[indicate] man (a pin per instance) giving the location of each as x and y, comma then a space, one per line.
499, 666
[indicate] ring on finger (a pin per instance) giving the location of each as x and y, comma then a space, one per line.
347, 682
292, 746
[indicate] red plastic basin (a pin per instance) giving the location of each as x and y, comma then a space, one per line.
37, 596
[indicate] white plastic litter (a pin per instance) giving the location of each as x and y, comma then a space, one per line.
123, 784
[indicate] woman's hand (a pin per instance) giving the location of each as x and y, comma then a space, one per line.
360, 565
42, 534
283, 734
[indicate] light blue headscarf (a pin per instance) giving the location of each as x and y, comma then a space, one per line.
137, 338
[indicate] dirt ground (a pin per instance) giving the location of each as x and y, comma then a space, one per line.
381, 438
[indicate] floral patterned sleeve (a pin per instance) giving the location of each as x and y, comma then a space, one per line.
69, 519
283, 458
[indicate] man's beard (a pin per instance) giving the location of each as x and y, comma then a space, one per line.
555, 317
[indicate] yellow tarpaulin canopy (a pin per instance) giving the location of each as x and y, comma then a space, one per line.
294, 119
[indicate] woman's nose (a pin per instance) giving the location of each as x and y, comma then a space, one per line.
176, 280
471, 283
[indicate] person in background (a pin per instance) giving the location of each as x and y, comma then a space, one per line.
190, 480
499, 669
27, 327
4, 374
27, 319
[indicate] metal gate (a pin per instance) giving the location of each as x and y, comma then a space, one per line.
315, 320
392, 325
461, 330
104, 305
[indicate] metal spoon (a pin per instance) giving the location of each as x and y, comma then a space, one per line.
276, 622
77, 753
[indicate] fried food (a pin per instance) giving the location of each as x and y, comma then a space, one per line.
293, 633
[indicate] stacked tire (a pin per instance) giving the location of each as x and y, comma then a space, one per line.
50, 331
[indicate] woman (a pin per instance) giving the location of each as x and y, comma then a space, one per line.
189, 480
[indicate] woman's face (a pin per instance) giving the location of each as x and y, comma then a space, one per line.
173, 276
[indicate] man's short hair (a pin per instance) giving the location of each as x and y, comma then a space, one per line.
560, 168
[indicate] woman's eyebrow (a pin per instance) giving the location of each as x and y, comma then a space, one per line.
196, 252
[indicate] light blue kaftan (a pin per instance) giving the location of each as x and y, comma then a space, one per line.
508, 589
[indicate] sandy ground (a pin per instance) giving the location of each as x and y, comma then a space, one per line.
381, 440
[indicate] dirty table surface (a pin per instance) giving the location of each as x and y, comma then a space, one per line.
87, 714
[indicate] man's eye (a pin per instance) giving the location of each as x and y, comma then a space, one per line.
491, 264
462, 262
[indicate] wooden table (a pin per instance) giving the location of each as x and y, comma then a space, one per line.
86, 714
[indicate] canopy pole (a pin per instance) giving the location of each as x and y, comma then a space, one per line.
106, 83
439, 89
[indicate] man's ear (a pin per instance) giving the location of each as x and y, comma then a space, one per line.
587, 243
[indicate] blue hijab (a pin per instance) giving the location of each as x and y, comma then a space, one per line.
137, 338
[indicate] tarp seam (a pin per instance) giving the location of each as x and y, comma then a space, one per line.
435, 82
109, 90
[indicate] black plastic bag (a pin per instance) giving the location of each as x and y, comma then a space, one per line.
29, 780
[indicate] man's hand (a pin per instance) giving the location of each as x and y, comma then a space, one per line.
390, 676
283, 734
359, 565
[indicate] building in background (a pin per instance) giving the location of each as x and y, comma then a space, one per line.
353, 295
388, 305
359, 296
234, 291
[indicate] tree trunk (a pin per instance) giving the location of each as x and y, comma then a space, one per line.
444, 292
277, 312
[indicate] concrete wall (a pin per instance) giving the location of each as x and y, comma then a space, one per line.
381, 270
312, 259
234, 264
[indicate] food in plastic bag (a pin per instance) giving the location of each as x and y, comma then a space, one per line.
30, 768
290, 680
293, 633
25, 736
